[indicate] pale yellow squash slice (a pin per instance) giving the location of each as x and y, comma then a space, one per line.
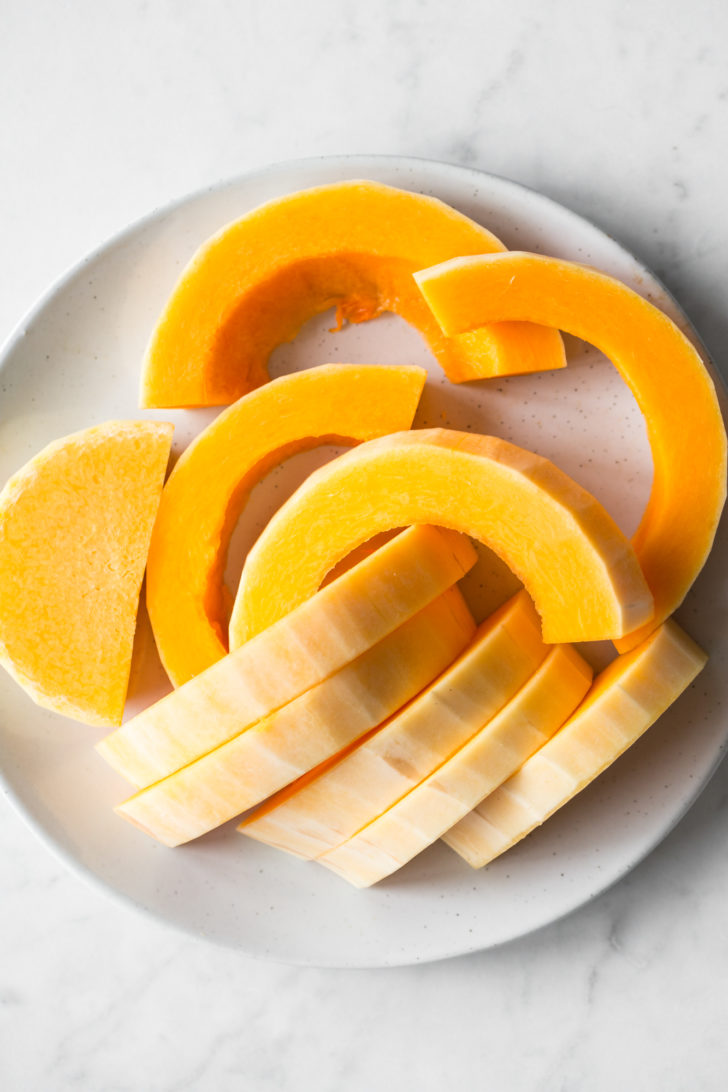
576, 564
325, 632
305, 732
422, 816
329, 805
625, 700
75, 525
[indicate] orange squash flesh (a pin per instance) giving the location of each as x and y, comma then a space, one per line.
340, 623
663, 370
576, 564
210, 484
307, 731
353, 245
75, 525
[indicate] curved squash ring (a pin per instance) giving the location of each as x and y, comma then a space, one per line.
208, 488
662, 369
353, 245
576, 564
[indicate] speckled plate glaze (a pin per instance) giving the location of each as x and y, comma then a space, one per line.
75, 361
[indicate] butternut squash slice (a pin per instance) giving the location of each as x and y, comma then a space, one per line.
625, 700
305, 732
450, 792
75, 525
209, 486
574, 561
351, 244
662, 369
334, 801
324, 633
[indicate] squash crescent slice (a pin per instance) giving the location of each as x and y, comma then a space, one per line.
625, 700
327, 806
75, 525
429, 810
353, 245
574, 561
302, 649
305, 732
210, 484
663, 370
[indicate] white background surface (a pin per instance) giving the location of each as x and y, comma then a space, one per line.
618, 110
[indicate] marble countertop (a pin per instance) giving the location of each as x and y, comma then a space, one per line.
620, 112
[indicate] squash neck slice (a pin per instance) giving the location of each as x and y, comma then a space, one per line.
347, 617
307, 731
625, 700
327, 806
426, 812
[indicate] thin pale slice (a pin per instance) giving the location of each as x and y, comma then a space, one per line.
662, 369
329, 805
353, 245
325, 632
626, 698
211, 483
75, 525
448, 794
576, 564
305, 732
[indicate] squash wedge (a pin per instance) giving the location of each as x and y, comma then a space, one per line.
450, 792
328, 805
574, 561
324, 633
353, 245
663, 370
75, 525
625, 700
211, 482
307, 731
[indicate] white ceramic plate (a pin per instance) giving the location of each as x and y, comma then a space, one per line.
75, 362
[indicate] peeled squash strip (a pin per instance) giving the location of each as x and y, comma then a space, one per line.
624, 701
353, 245
574, 561
75, 524
209, 486
662, 369
448, 794
325, 632
330, 804
305, 732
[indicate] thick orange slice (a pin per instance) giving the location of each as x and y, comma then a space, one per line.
663, 370
353, 245
75, 525
209, 486
574, 561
